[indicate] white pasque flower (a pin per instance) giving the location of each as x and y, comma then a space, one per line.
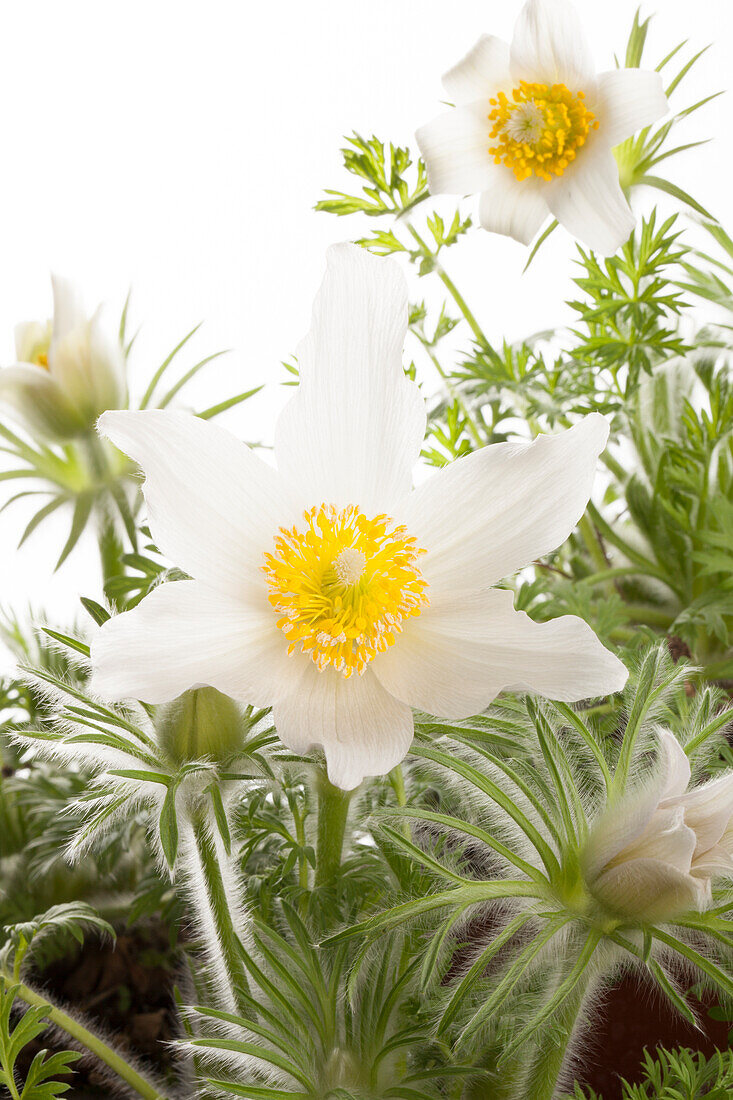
68, 370
534, 127
652, 855
331, 589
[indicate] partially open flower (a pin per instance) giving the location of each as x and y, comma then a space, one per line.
533, 129
68, 371
328, 588
651, 856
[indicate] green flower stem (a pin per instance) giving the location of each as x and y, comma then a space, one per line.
110, 550
333, 811
89, 1041
592, 543
630, 552
218, 908
552, 1045
616, 572
448, 283
470, 422
110, 546
468, 316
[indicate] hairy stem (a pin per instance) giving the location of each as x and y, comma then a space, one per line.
217, 902
333, 810
547, 1071
89, 1041
110, 546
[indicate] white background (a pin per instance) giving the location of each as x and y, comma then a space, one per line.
179, 147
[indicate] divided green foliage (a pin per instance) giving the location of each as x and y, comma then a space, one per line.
676, 1075
41, 1081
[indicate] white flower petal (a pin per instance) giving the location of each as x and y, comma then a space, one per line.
68, 307
455, 148
625, 100
494, 511
651, 887
31, 337
626, 821
183, 635
666, 838
363, 730
515, 209
673, 766
716, 861
483, 71
549, 45
620, 825
354, 429
459, 654
587, 199
214, 507
709, 810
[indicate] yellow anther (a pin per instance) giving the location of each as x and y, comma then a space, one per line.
343, 585
540, 129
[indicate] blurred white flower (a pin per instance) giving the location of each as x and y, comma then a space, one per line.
533, 129
330, 589
68, 371
653, 855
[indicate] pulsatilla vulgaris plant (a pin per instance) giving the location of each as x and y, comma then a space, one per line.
410, 765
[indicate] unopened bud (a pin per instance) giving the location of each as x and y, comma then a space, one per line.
200, 724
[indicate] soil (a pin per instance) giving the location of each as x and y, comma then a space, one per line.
632, 1018
124, 990
127, 989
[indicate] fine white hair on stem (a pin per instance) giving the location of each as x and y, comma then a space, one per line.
195, 880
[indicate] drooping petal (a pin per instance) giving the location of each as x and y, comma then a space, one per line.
512, 208
363, 729
549, 45
651, 887
455, 148
587, 199
478, 75
494, 511
68, 307
460, 653
186, 634
625, 100
214, 507
354, 429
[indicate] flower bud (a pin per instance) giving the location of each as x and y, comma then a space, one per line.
68, 372
651, 855
200, 724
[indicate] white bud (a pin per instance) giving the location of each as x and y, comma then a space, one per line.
68, 372
652, 854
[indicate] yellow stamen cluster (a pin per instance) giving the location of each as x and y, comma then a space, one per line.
41, 360
540, 129
343, 585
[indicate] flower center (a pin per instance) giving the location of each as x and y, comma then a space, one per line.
343, 585
540, 129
